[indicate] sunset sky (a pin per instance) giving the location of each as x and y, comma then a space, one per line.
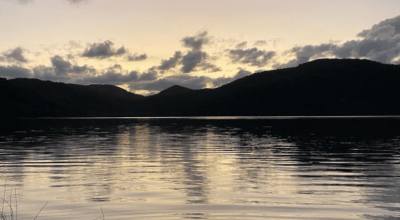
146, 46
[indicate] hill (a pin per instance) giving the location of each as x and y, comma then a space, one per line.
320, 87
37, 98
174, 90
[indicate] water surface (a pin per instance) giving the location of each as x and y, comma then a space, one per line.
203, 168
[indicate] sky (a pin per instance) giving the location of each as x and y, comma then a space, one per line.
146, 46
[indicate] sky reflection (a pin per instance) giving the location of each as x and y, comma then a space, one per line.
207, 169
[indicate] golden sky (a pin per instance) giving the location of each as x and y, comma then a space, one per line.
148, 45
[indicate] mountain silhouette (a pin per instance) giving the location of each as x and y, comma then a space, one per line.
174, 90
320, 87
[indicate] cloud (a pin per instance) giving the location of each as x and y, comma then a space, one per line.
192, 59
224, 80
63, 67
116, 75
76, 1
380, 43
195, 59
15, 72
189, 81
306, 53
15, 55
193, 82
252, 57
69, 1
23, 1
209, 67
260, 43
171, 62
103, 50
150, 74
47, 73
135, 57
241, 45
196, 42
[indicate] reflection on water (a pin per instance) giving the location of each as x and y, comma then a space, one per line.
204, 168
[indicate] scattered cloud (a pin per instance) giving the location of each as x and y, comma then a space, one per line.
116, 75
69, 1
252, 57
209, 67
306, 53
135, 57
196, 59
76, 1
192, 59
103, 50
196, 42
224, 80
171, 62
260, 43
193, 82
15, 55
380, 43
241, 45
14, 72
23, 1
150, 74
63, 67
189, 81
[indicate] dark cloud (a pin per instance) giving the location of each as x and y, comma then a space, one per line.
150, 74
192, 59
384, 29
196, 59
63, 67
15, 72
15, 55
171, 62
209, 67
224, 80
113, 75
380, 43
196, 42
193, 82
23, 1
135, 57
241, 45
47, 73
82, 69
62, 70
252, 57
69, 1
103, 50
116, 75
260, 43
76, 1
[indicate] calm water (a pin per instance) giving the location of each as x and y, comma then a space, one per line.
214, 168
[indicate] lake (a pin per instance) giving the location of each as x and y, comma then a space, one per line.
202, 168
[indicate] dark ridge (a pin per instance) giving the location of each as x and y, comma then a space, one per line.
114, 91
320, 87
173, 90
37, 98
